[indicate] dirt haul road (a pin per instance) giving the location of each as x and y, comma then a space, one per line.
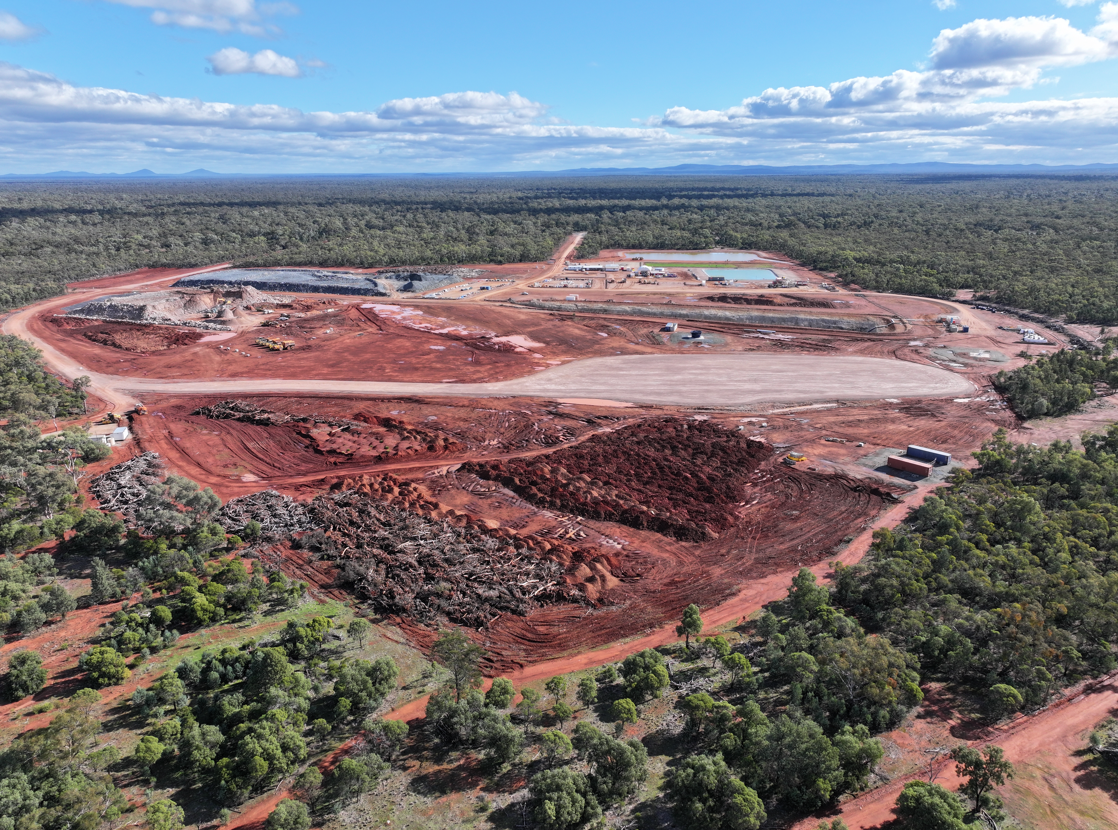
105, 387
1053, 782
559, 262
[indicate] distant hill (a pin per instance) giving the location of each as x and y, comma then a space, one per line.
135, 174
915, 168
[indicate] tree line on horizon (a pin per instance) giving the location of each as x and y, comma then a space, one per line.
1049, 244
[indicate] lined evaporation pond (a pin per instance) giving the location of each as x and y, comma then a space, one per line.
736, 274
707, 256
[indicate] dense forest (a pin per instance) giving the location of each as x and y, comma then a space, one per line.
1049, 244
1059, 383
1004, 581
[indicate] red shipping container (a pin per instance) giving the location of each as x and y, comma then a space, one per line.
909, 465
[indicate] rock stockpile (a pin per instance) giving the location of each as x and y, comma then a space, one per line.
326, 282
175, 307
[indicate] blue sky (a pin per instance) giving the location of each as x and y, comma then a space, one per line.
344, 86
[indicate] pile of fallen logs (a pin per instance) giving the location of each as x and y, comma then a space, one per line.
123, 487
429, 570
279, 516
250, 413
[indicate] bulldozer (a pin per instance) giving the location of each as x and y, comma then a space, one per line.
108, 418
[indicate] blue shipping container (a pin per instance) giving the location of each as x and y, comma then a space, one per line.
935, 456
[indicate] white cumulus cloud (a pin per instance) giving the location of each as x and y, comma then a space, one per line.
943, 5
233, 61
464, 108
1107, 29
948, 112
1077, 2
42, 116
1015, 41
13, 29
943, 112
244, 16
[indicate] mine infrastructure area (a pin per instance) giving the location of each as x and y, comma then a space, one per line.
559, 471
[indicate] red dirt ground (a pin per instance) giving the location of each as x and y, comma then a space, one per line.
129, 337
733, 576
1047, 750
387, 342
793, 517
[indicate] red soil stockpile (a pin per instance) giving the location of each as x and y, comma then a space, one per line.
683, 479
776, 301
236, 437
367, 437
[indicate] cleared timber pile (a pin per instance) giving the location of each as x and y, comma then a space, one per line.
250, 413
683, 479
279, 516
121, 488
429, 571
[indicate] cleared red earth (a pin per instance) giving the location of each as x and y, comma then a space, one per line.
636, 509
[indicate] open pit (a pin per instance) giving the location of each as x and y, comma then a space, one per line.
128, 337
386, 283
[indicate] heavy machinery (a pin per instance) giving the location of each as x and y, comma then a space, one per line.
108, 418
275, 345
140, 409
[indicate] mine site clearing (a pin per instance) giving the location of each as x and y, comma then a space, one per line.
581, 463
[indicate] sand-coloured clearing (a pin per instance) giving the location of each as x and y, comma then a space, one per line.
733, 380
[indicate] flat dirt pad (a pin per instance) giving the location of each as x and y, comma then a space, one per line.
687, 380
739, 379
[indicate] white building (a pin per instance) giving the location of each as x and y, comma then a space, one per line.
111, 434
